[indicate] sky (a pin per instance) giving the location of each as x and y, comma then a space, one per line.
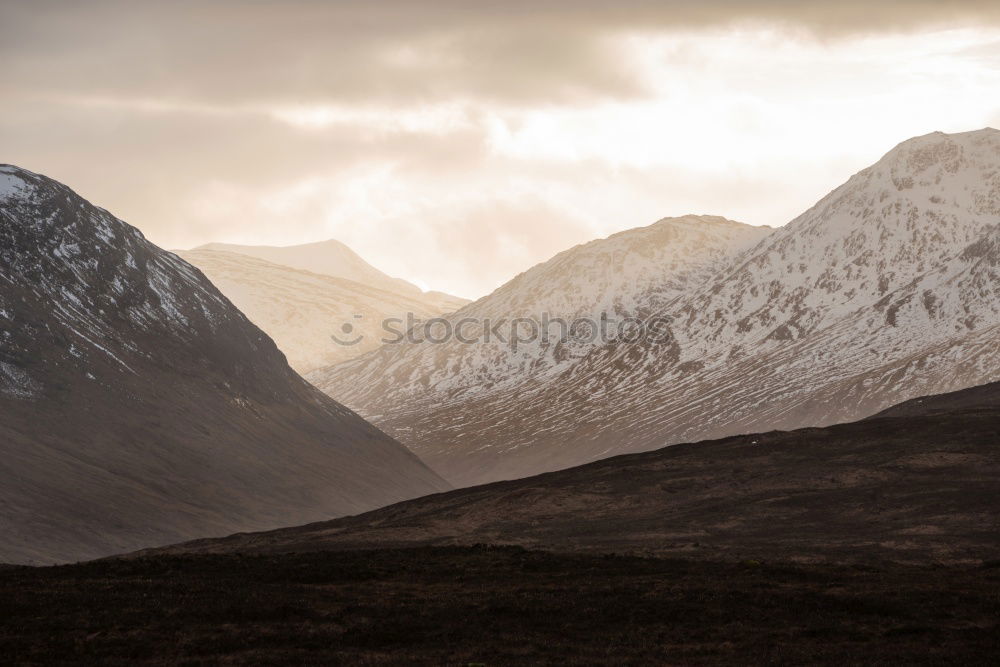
457, 143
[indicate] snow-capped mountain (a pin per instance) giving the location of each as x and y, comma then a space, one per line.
618, 277
886, 289
900, 221
333, 258
303, 311
138, 406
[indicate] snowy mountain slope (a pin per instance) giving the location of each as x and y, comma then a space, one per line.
300, 310
333, 258
886, 289
910, 213
139, 406
622, 276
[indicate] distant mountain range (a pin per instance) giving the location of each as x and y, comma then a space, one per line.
617, 276
333, 258
328, 258
887, 289
303, 311
138, 406
302, 295
918, 483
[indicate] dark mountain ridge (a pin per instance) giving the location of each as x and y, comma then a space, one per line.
138, 406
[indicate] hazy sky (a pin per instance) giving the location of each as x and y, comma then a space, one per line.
455, 144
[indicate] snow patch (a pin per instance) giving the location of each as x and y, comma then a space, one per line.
14, 381
12, 185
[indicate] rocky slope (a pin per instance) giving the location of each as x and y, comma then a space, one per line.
305, 312
888, 288
138, 406
625, 275
919, 483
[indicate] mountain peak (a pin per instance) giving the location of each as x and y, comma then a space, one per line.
630, 272
16, 182
699, 218
953, 151
696, 221
886, 288
330, 258
334, 258
132, 391
919, 206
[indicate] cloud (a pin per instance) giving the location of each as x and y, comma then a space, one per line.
299, 53
457, 143
388, 51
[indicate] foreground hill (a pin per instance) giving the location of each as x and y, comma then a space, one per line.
885, 290
301, 310
138, 406
918, 484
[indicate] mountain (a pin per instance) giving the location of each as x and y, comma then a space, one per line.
622, 276
301, 310
917, 484
887, 289
333, 258
138, 406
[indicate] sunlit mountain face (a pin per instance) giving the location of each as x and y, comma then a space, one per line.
884, 290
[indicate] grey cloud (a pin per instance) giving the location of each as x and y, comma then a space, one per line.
145, 166
387, 51
309, 53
